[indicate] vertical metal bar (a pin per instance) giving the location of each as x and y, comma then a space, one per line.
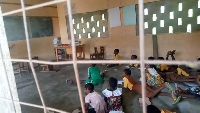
29, 54
2, 29
74, 54
141, 35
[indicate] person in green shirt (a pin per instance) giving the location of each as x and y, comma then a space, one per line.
94, 75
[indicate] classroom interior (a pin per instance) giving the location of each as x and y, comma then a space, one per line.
113, 25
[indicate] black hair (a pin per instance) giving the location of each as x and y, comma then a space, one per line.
89, 86
93, 65
127, 71
134, 56
117, 50
198, 59
113, 82
152, 109
151, 58
161, 58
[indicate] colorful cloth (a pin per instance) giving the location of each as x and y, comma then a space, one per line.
94, 75
194, 91
127, 83
114, 100
117, 57
96, 101
153, 78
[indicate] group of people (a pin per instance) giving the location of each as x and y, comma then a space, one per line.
157, 76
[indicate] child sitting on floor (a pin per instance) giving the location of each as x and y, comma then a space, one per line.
94, 76
134, 57
130, 83
154, 65
181, 70
113, 97
153, 77
116, 57
164, 67
172, 77
94, 100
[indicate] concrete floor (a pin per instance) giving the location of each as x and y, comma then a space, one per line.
59, 95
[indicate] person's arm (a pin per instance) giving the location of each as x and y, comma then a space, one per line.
125, 83
86, 106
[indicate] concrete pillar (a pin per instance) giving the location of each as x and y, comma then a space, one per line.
7, 77
155, 46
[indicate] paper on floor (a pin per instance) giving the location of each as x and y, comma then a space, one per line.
120, 82
129, 67
139, 68
76, 111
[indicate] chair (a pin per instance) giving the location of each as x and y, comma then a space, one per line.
94, 56
46, 68
101, 55
17, 68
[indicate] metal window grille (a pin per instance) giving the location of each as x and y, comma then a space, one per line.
142, 61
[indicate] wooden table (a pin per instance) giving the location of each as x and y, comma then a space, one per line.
68, 51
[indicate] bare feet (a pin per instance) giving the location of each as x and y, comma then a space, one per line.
178, 90
198, 80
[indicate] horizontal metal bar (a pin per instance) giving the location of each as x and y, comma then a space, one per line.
33, 105
170, 62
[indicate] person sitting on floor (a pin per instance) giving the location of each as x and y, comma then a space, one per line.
164, 67
113, 97
153, 77
134, 57
154, 109
94, 102
181, 70
94, 75
130, 83
154, 65
173, 77
116, 57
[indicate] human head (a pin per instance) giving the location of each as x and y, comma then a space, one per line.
133, 57
89, 87
116, 51
198, 59
126, 72
147, 66
152, 109
93, 65
161, 58
151, 58
112, 83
